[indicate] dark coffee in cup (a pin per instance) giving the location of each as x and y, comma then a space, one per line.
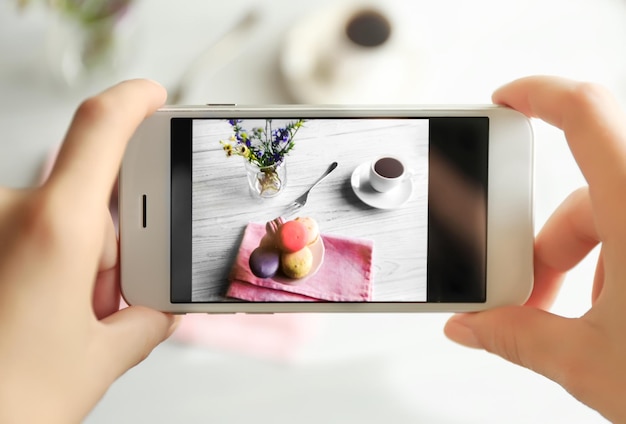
386, 173
389, 167
368, 28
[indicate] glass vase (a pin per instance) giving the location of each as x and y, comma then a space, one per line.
266, 181
82, 49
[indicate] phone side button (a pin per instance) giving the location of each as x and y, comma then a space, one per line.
221, 104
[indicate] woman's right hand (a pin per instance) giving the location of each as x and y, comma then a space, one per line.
586, 355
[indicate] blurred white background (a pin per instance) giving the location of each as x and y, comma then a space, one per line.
353, 368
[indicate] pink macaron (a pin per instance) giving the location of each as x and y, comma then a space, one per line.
273, 226
292, 236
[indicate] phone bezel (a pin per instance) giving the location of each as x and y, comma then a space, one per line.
145, 252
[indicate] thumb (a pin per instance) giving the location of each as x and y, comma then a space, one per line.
133, 333
532, 338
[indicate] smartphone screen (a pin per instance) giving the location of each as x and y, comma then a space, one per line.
423, 240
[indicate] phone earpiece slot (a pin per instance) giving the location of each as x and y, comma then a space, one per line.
143, 209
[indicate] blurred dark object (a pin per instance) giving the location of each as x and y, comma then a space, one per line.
368, 28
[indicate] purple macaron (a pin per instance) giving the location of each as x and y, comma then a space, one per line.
264, 262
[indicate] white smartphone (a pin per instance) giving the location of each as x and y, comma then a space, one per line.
448, 228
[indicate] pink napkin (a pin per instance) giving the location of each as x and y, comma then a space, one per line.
345, 274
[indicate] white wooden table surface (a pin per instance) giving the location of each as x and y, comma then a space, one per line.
223, 204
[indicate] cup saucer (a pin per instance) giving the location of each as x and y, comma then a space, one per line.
401, 77
389, 200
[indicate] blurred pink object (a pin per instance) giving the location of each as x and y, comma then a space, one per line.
345, 275
278, 336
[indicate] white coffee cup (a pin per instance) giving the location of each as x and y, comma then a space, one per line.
386, 173
361, 54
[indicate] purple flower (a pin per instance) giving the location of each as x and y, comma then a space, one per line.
280, 135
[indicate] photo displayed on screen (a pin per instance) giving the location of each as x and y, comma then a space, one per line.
371, 230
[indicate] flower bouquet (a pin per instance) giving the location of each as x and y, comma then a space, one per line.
264, 150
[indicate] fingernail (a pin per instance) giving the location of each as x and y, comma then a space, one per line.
154, 82
458, 330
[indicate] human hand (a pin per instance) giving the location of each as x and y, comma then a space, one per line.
62, 339
585, 355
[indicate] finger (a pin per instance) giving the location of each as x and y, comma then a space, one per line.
110, 249
547, 283
535, 339
106, 289
132, 333
106, 293
595, 127
566, 238
598, 279
94, 145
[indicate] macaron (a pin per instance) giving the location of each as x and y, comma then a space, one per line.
264, 262
271, 227
268, 241
297, 264
313, 230
292, 236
